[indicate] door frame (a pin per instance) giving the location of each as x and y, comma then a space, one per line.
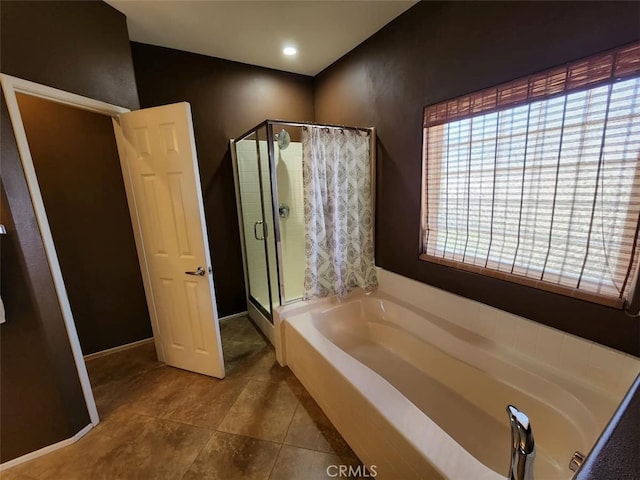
11, 86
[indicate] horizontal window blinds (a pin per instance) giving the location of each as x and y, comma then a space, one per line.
604, 68
544, 193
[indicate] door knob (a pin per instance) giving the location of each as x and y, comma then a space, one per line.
199, 272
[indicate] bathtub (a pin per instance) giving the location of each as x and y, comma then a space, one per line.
421, 397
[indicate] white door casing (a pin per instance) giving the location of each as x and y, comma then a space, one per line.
158, 157
10, 87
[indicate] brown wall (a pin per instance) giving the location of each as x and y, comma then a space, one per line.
82, 47
40, 394
28, 374
440, 50
227, 98
76, 159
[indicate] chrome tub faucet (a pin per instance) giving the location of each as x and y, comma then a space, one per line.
523, 448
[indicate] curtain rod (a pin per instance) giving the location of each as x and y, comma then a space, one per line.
313, 124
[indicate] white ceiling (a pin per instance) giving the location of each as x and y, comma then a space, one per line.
255, 32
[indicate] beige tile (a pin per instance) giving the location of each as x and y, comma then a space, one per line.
115, 378
229, 457
122, 365
298, 463
240, 330
52, 466
205, 403
140, 391
75, 461
122, 426
147, 448
263, 410
263, 366
157, 390
164, 449
109, 398
310, 428
12, 474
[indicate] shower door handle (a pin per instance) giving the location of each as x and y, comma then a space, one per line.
255, 230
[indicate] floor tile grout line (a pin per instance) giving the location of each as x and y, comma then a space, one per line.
249, 437
164, 412
204, 445
286, 433
283, 439
273, 467
235, 400
212, 430
335, 454
258, 379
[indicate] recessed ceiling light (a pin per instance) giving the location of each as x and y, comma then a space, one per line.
289, 51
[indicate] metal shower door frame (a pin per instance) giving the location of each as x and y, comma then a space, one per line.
241, 218
274, 193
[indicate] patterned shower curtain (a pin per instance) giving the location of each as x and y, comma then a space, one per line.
338, 212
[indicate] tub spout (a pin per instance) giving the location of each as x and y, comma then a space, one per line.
523, 448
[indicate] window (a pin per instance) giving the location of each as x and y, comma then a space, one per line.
538, 181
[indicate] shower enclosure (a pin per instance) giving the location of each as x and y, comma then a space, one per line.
267, 163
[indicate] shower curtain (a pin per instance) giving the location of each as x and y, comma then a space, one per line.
338, 211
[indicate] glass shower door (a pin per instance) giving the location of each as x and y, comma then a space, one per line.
270, 218
255, 227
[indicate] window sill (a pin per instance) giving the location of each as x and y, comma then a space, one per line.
608, 301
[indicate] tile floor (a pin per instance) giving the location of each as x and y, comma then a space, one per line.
159, 422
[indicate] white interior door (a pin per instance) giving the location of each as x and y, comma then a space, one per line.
160, 167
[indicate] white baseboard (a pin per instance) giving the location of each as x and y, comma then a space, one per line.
43, 451
119, 348
235, 315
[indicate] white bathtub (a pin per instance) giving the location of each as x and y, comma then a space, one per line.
420, 397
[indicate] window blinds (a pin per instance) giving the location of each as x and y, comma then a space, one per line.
540, 185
